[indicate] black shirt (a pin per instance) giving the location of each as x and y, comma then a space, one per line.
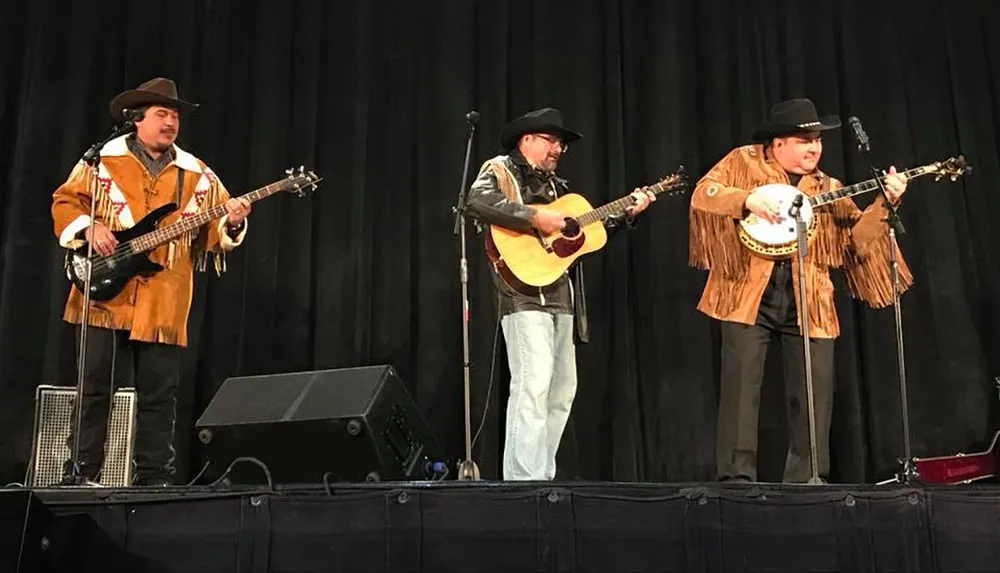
777, 305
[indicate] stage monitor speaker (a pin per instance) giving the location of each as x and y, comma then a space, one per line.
24, 522
351, 424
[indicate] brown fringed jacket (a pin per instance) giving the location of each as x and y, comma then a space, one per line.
153, 309
845, 238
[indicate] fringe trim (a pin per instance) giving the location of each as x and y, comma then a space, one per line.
105, 209
739, 173
832, 236
99, 317
179, 247
218, 262
103, 318
161, 335
199, 251
869, 277
714, 245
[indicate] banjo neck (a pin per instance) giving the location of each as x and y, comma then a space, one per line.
865, 186
778, 240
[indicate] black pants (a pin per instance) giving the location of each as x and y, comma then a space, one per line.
154, 371
744, 349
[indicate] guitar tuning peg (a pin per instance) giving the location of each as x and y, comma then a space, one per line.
288, 171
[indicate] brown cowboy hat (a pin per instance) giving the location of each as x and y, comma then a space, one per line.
545, 120
157, 91
794, 116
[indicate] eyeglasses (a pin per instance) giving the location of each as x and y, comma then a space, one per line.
554, 141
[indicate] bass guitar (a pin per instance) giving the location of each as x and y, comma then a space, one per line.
777, 240
538, 260
110, 274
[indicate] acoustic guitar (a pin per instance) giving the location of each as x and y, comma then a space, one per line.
538, 260
777, 240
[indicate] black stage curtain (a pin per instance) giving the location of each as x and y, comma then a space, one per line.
373, 95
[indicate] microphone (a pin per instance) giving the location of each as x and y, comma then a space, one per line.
793, 211
472, 117
132, 114
860, 137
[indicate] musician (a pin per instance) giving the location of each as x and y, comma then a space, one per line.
139, 335
540, 325
756, 299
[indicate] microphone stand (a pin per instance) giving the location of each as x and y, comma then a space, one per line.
92, 158
908, 472
467, 469
801, 239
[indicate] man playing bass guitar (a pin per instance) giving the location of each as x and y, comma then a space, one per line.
538, 322
138, 335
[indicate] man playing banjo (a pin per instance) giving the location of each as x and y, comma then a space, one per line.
752, 286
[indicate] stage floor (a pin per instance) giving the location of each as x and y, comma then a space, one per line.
498, 526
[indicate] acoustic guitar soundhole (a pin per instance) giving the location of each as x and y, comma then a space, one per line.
572, 228
568, 245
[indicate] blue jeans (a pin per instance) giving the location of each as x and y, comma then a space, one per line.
542, 359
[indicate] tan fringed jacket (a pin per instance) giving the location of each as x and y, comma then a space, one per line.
845, 238
153, 309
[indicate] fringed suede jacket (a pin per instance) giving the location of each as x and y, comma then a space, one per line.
845, 238
155, 308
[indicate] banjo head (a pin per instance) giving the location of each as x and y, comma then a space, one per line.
775, 239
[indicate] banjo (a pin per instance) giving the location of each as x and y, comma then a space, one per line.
777, 240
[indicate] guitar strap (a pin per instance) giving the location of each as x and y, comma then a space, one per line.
180, 187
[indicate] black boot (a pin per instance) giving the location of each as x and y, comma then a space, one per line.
87, 474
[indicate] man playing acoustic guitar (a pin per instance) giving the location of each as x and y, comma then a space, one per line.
754, 296
137, 336
538, 322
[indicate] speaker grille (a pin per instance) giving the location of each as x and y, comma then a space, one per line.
53, 418
349, 424
316, 395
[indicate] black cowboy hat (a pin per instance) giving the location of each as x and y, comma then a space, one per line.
794, 116
157, 91
545, 120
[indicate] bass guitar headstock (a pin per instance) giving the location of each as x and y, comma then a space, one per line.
300, 181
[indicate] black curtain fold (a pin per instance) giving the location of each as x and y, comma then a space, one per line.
372, 96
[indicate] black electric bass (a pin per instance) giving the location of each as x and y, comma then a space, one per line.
111, 273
